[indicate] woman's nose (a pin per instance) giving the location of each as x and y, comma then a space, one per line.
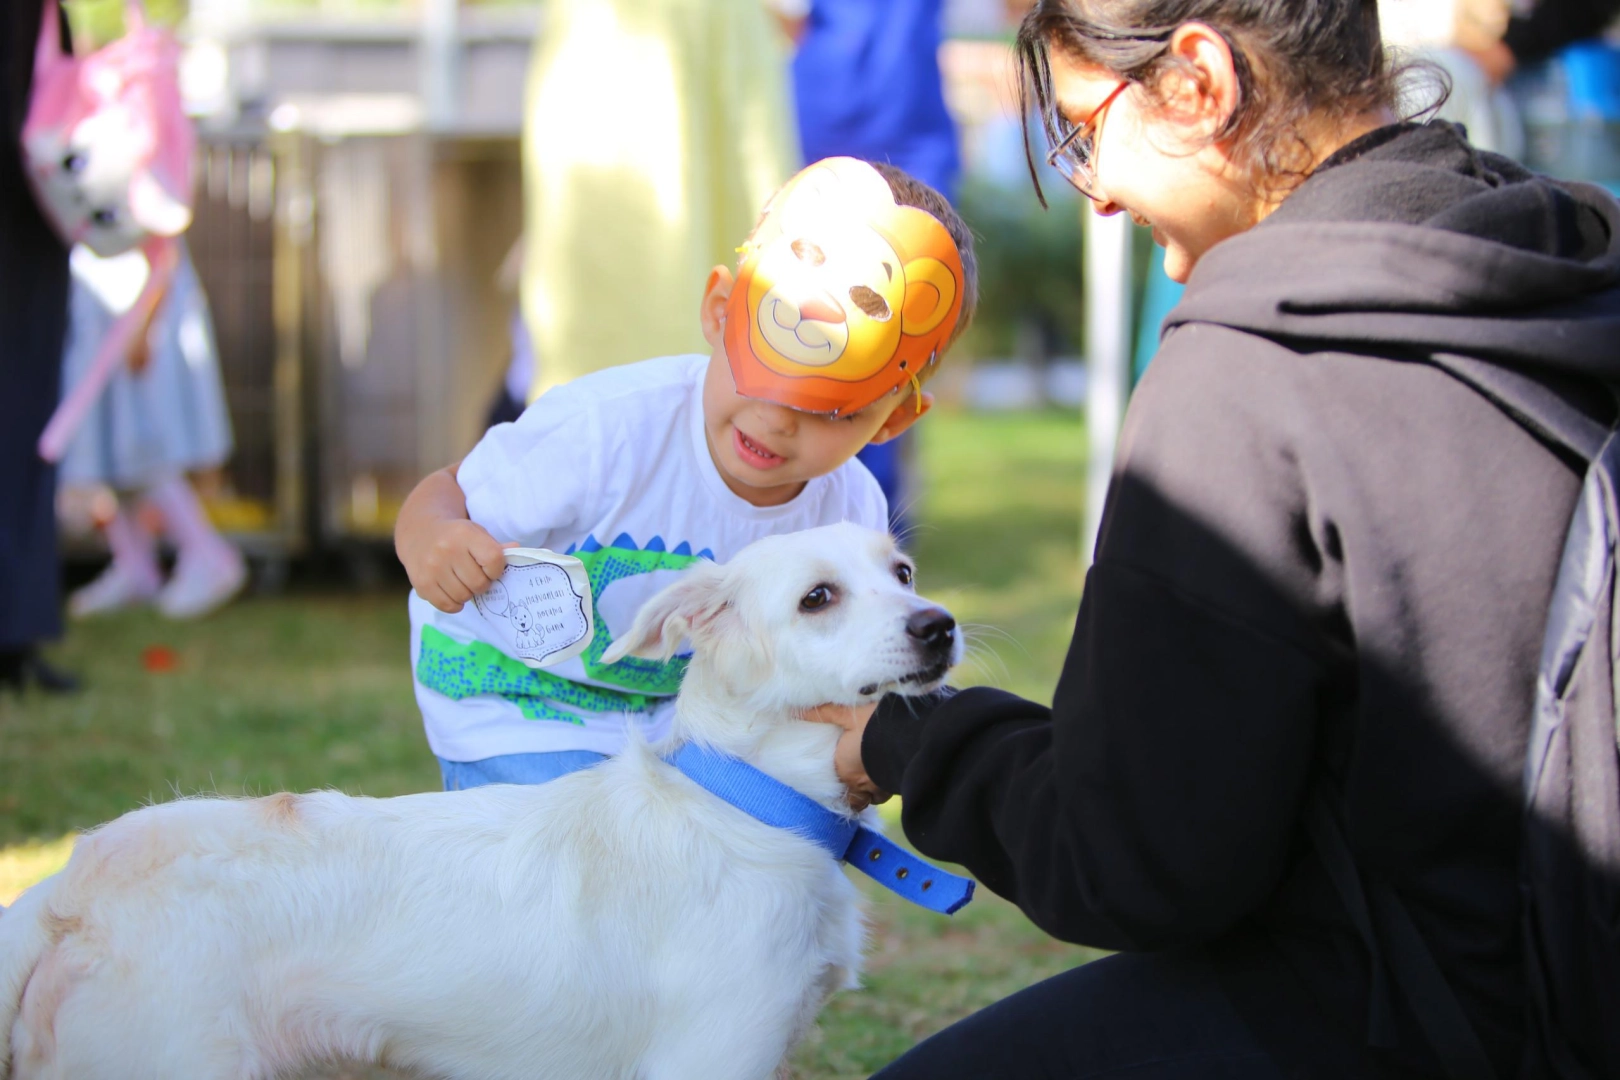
1103, 206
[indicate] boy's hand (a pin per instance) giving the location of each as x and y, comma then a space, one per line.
450, 562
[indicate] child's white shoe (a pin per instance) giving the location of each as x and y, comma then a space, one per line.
114, 588
202, 581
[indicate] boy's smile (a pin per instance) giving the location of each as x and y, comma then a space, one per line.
767, 452
752, 452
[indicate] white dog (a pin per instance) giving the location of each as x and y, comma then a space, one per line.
618, 922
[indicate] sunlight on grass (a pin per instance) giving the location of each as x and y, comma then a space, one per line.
21, 865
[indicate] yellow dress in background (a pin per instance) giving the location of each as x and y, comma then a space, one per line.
655, 130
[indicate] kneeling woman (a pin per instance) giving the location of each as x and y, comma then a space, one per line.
1323, 574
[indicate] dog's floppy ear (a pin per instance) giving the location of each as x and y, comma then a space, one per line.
688, 605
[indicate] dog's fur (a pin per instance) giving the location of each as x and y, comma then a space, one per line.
617, 922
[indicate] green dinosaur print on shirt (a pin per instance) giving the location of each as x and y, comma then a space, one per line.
461, 670
467, 669
606, 565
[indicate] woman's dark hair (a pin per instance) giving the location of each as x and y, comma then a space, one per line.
1294, 59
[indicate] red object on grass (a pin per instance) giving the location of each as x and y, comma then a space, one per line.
159, 659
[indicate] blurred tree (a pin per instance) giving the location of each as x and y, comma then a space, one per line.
374, 5
96, 22
1029, 269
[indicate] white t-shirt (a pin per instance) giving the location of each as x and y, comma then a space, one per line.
612, 468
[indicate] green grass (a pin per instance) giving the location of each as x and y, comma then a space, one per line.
312, 690
287, 692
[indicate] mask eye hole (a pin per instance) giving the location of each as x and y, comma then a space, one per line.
817, 598
805, 251
870, 302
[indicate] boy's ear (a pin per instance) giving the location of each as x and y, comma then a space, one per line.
712, 308
908, 412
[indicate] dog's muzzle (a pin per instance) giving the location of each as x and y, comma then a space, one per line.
934, 631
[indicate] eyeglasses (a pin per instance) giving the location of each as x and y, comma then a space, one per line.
1074, 149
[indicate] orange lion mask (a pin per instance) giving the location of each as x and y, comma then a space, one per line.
843, 296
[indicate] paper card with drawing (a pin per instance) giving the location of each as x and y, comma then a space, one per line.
540, 610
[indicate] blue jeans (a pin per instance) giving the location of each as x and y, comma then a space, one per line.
515, 768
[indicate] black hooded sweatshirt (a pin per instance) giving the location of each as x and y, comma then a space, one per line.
1323, 560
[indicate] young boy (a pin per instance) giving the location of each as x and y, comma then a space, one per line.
854, 283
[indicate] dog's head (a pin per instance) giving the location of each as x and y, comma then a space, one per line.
825, 615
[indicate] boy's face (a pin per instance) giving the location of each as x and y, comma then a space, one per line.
842, 294
766, 452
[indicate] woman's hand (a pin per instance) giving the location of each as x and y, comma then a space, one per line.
847, 758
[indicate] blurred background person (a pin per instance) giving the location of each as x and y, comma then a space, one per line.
867, 85
161, 416
653, 132
1549, 76
1502, 39
33, 319
513, 394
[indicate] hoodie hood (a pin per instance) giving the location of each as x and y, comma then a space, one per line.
1411, 238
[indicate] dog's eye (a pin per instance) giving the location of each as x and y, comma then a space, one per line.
904, 573
816, 599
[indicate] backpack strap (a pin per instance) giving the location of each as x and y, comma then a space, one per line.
1380, 916
1531, 403
1572, 820
1583, 578
1393, 940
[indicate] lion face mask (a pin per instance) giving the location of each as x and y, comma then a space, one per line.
843, 296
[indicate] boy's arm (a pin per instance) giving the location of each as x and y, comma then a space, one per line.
449, 558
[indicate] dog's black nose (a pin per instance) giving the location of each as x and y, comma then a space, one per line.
932, 627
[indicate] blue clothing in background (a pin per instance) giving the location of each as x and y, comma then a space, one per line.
1158, 297
33, 323
866, 79
867, 85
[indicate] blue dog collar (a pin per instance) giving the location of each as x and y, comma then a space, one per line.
773, 802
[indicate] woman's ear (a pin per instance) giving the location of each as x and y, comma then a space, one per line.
1203, 90
712, 308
